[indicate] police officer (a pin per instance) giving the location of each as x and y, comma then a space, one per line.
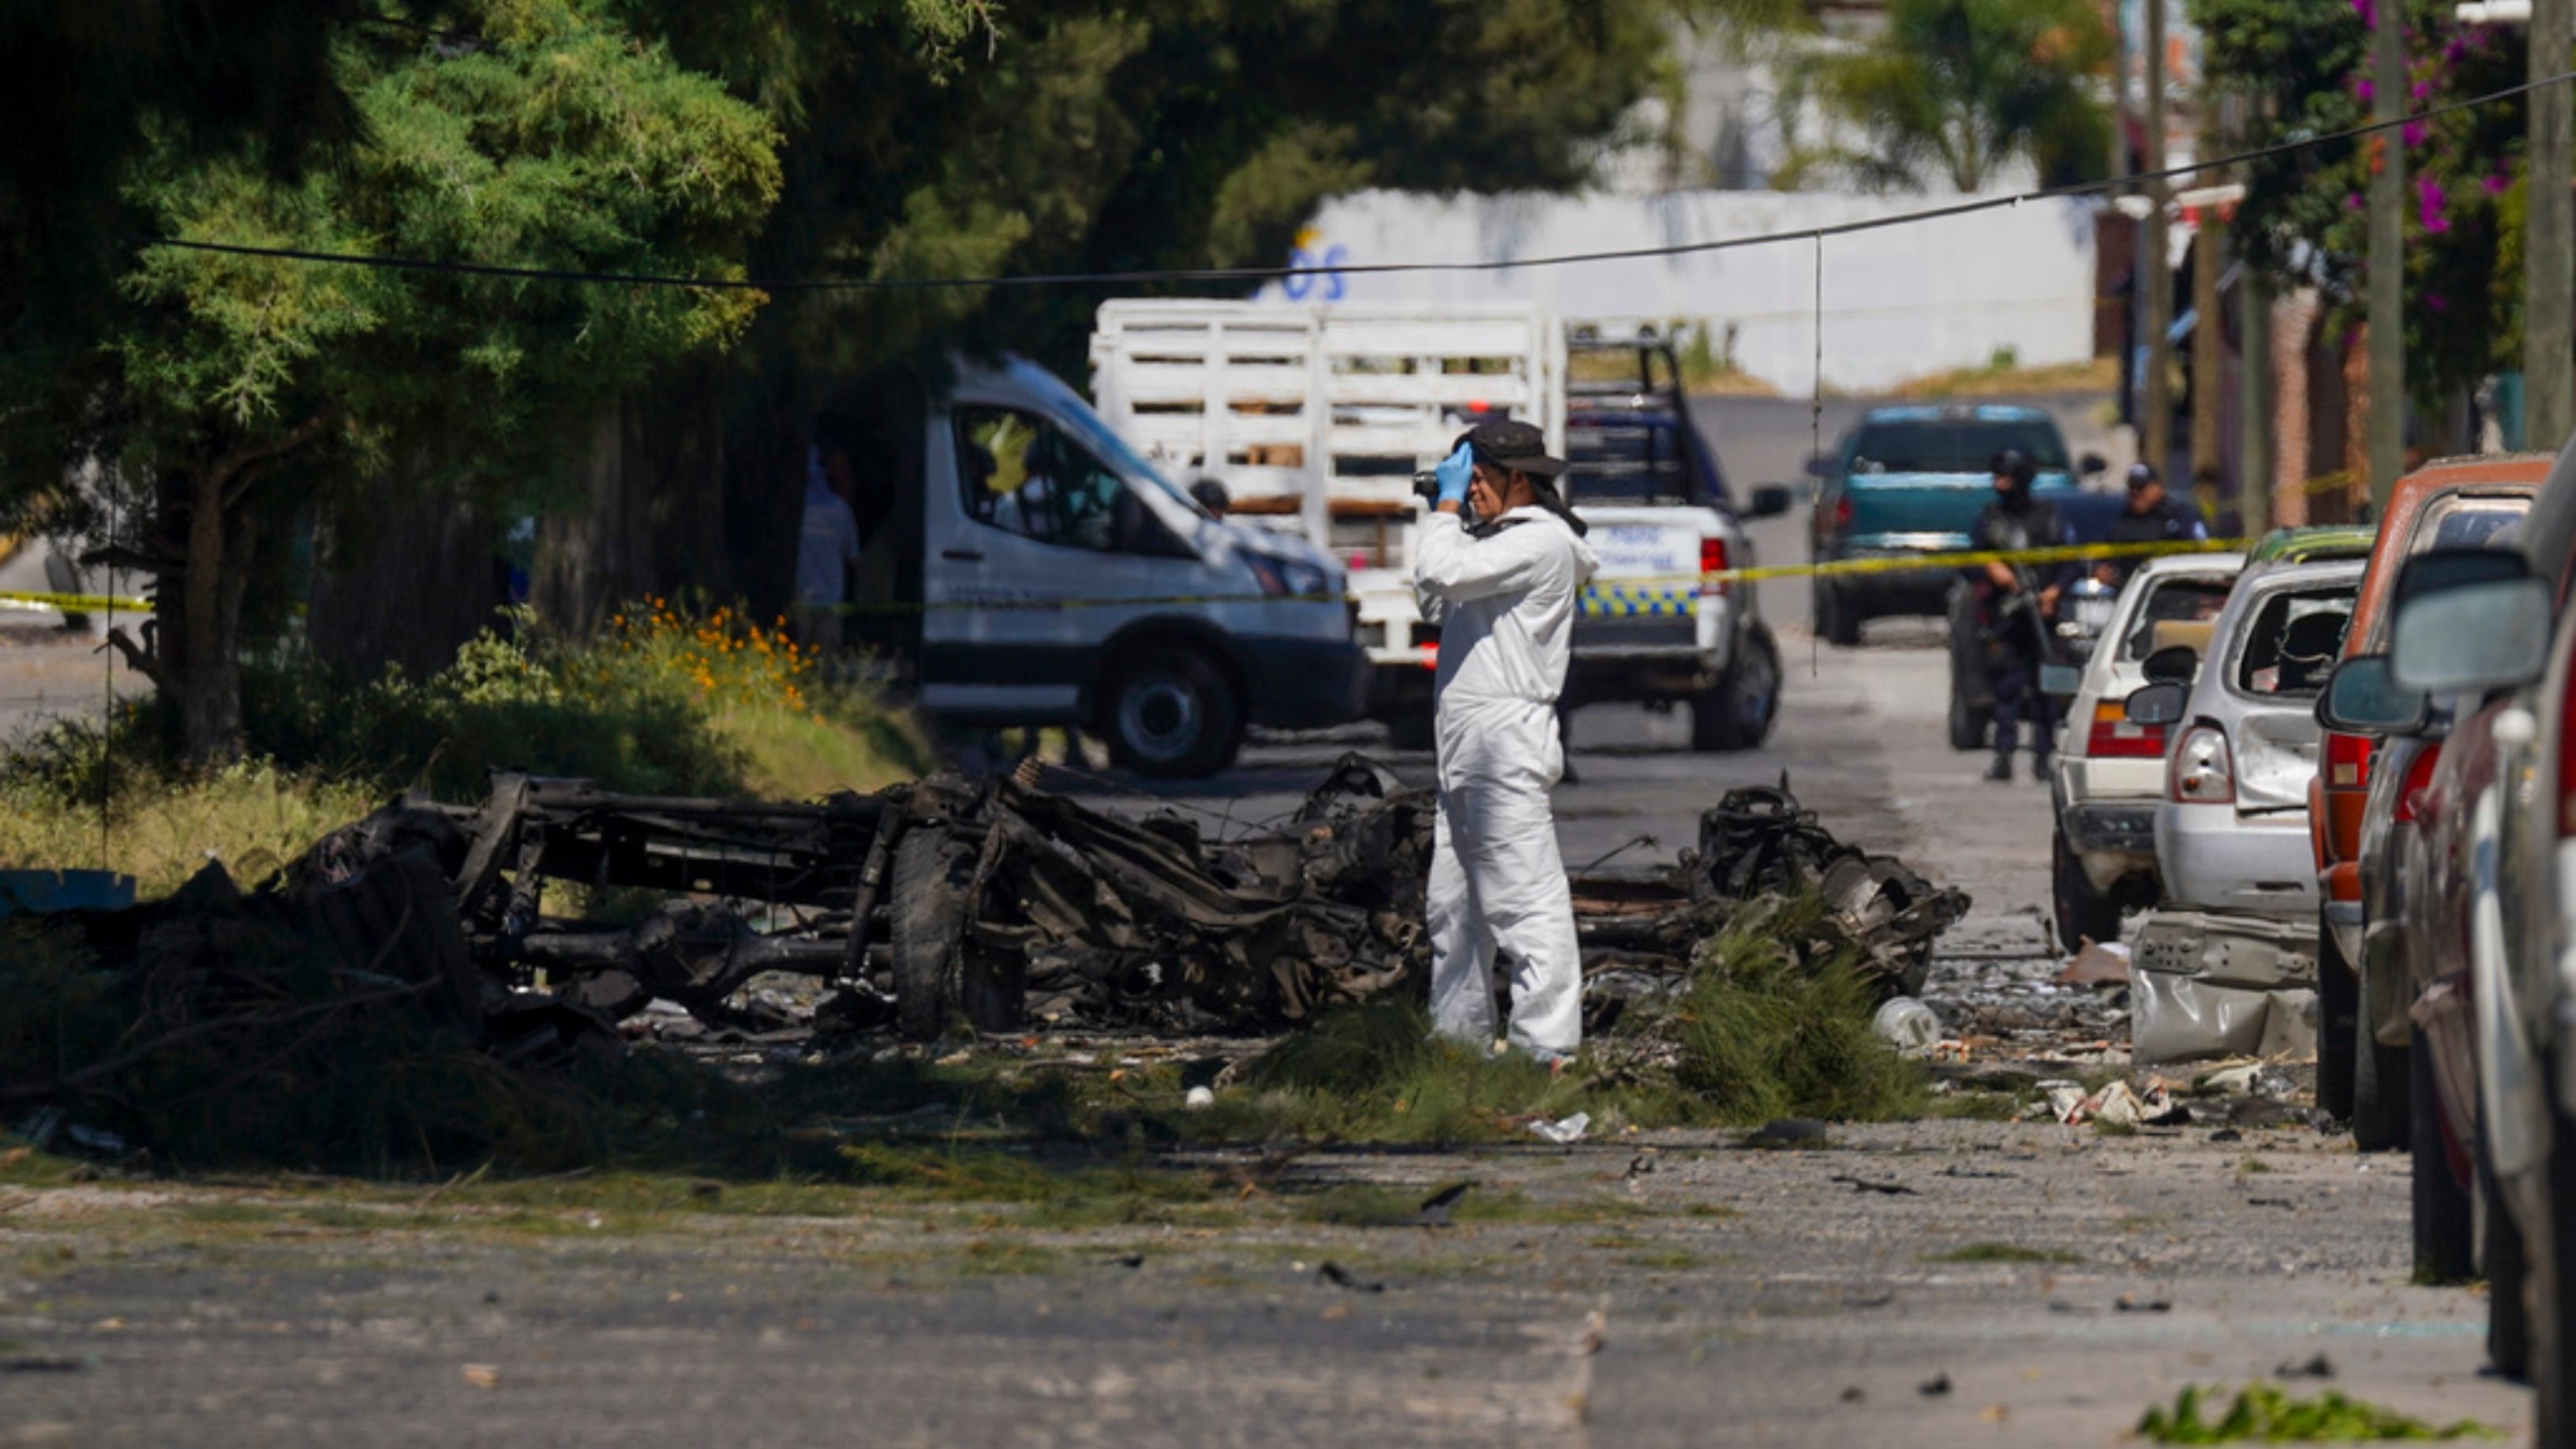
2016, 602
2153, 516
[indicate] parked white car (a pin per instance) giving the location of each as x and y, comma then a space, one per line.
2108, 774
2227, 963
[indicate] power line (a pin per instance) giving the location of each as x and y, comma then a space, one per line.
1268, 274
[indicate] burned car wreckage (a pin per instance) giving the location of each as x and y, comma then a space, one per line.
1005, 905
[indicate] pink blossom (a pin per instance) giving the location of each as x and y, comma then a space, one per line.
2428, 204
2420, 89
2352, 201
2415, 132
2368, 13
2437, 301
2361, 87
2498, 185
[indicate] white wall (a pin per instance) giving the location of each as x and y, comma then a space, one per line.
1898, 303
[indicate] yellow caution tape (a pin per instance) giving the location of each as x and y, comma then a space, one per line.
1642, 595
78, 603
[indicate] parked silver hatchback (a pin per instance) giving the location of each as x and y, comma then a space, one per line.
2227, 963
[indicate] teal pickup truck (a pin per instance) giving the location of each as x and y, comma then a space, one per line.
1909, 481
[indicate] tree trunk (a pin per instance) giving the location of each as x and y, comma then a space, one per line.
404, 584
2294, 320
208, 677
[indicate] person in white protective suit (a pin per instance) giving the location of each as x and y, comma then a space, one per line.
1503, 593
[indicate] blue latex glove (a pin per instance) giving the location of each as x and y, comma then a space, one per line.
1454, 473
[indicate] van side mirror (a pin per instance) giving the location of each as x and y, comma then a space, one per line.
2091, 464
2173, 664
1769, 501
2156, 704
2362, 697
2472, 637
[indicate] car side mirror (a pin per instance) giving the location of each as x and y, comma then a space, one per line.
2439, 569
2173, 664
2060, 681
1210, 494
2363, 697
2156, 704
1769, 501
1820, 467
2091, 464
2472, 637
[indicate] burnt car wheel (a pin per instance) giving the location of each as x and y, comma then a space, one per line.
2080, 913
1170, 714
2444, 1251
937, 974
2338, 1029
1736, 713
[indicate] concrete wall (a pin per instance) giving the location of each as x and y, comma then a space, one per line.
1898, 303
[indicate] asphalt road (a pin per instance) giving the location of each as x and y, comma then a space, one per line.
1934, 1283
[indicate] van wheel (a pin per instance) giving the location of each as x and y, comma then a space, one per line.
1169, 713
1835, 618
2443, 1251
1736, 712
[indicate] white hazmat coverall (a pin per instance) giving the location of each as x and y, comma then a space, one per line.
1505, 606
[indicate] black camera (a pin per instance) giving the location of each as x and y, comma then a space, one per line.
1426, 486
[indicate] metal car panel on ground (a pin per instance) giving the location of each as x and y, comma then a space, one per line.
2222, 983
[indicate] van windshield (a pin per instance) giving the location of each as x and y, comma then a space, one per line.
1121, 455
1961, 445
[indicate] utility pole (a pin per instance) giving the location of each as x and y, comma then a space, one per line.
2154, 275
2208, 350
2548, 250
2387, 374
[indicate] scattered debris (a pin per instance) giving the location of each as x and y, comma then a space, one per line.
1908, 1023
1564, 1130
1787, 1132
2099, 963
2320, 1367
1435, 1209
1863, 1184
1936, 1387
2130, 1303
1341, 1277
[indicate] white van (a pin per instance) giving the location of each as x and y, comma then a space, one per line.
1061, 579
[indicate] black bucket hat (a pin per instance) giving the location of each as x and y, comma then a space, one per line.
1513, 445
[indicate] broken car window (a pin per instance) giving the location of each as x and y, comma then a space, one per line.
2186, 601
2293, 644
